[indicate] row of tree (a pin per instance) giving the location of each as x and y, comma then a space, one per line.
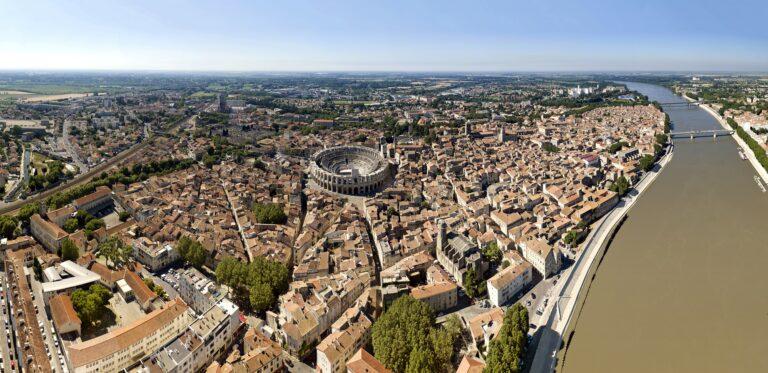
506, 351
405, 338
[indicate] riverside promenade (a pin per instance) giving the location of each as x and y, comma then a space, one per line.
559, 313
744, 147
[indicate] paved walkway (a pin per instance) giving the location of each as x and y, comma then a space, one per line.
747, 151
574, 277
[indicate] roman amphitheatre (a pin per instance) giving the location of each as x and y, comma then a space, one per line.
350, 170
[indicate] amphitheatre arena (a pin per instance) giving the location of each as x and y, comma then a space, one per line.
351, 170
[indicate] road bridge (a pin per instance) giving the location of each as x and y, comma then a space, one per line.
700, 133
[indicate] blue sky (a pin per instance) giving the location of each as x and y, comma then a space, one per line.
327, 35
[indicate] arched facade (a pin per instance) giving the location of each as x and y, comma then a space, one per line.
352, 170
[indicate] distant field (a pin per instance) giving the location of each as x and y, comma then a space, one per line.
44, 98
14, 93
202, 94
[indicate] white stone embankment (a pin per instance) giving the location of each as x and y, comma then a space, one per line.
575, 278
744, 147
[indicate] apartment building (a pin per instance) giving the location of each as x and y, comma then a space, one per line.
48, 234
205, 340
334, 351
126, 346
542, 256
509, 281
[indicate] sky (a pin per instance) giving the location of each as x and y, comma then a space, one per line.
393, 35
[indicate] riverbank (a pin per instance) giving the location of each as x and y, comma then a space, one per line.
743, 145
570, 291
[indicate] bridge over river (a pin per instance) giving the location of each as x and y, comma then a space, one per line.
700, 133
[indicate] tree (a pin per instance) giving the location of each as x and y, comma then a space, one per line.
115, 251
154, 287
261, 297
492, 253
90, 304
646, 162
550, 148
269, 213
421, 361
124, 215
620, 186
404, 328
8, 225
191, 251
71, 225
69, 250
506, 351
473, 284
257, 284
27, 211
94, 224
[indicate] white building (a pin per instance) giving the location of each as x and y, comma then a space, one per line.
202, 342
508, 282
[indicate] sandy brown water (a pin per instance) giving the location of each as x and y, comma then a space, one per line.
684, 285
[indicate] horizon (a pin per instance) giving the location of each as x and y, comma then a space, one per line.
448, 36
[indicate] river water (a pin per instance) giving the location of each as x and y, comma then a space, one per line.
683, 287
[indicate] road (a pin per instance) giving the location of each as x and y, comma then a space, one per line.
567, 290
13, 207
42, 317
67, 144
6, 347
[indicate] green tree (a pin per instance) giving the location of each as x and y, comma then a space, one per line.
115, 251
620, 186
90, 304
71, 225
8, 225
124, 215
506, 351
27, 211
404, 328
492, 253
474, 285
421, 360
646, 162
269, 213
191, 251
257, 284
69, 250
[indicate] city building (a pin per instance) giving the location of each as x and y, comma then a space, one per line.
364, 362
48, 234
198, 291
505, 284
126, 346
154, 256
94, 202
542, 256
334, 351
203, 341
457, 254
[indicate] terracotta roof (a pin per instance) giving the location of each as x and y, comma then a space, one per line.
51, 228
363, 362
104, 345
470, 365
63, 312
140, 289
100, 192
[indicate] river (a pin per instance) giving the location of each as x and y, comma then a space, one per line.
683, 286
